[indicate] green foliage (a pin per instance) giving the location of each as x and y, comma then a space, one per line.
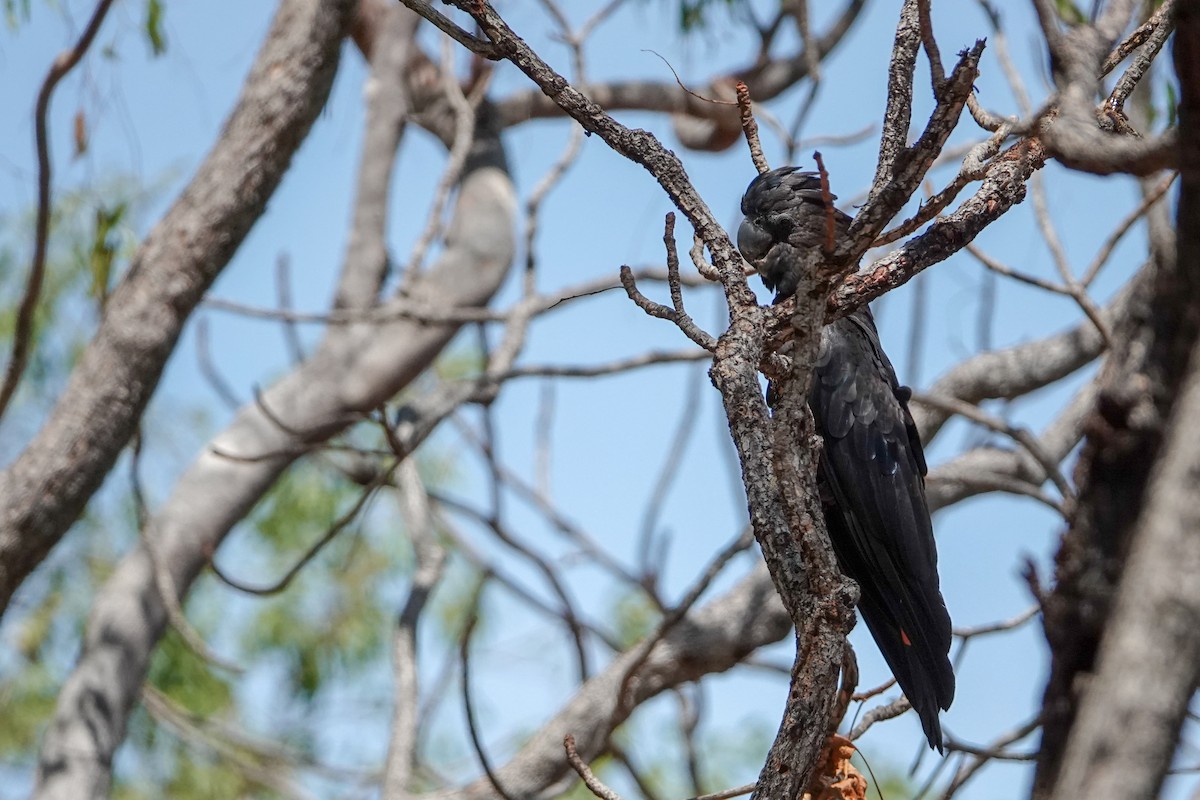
26, 706
16, 12
727, 752
1070, 12
462, 362
91, 237
634, 617
189, 776
693, 14
45, 625
204, 776
187, 679
330, 623
298, 507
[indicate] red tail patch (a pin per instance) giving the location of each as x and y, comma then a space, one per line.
904, 638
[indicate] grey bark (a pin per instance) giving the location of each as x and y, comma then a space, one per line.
47, 486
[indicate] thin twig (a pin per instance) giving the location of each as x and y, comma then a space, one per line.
750, 128
181, 722
879, 714
685, 323
163, 581
568, 614
209, 369
1019, 435
643, 783
283, 289
1137, 38
1118, 233
874, 691
383, 478
1161, 23
827, 199
652, 358
997, 627
674, 615
936, 71
429, 558
594, 784
968, 768
468, 706
725, 794
465, 109
668, 473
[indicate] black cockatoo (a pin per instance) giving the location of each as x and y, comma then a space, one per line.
872, 473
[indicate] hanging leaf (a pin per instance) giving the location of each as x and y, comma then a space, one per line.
154, 30
104, 248
80, 133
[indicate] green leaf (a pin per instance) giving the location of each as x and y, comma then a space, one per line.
154, 31
104, 248
16, 12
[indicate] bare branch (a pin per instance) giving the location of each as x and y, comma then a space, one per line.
767, 78
969, 768
1002, 188
365, 265
1022, 437
1163, 14
430, 558
879, 714
1020, 369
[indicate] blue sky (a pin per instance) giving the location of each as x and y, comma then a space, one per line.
156, 117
